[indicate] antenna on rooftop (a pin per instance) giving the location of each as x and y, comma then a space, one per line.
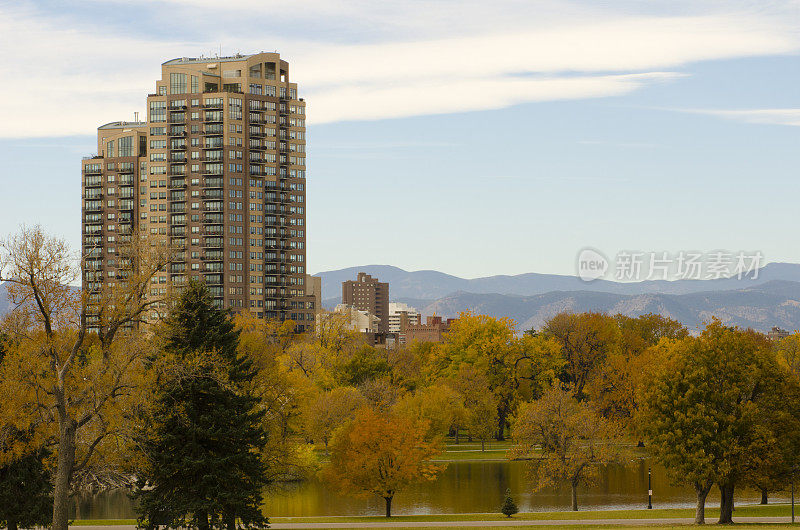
136, 116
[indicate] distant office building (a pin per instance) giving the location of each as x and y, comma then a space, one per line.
432, 331
368, 294
399, 311
777, 333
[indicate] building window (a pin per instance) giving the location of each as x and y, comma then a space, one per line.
177, 83
195, 85
126, 146
158, 111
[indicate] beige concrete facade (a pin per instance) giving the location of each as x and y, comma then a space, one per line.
216, 170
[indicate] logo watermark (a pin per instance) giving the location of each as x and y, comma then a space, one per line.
633, 266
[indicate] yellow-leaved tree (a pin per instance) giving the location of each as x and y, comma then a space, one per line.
574, 441
73, 360
439, 405
380, 454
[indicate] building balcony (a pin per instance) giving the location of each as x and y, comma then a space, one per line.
213, 182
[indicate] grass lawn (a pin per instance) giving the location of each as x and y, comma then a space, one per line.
102, 522
575, 527
471, 451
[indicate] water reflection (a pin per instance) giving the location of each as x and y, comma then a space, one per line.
464, 487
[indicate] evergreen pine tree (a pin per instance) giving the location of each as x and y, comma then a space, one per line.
509, 507
26, 493
202, 464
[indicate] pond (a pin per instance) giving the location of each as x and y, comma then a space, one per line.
463, 487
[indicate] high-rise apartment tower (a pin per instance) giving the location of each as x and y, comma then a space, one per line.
217, 171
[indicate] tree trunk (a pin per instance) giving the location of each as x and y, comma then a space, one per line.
388, 506
456, 436
202, 521
11, 524
702, 493
64, 468
764, 499
574, 496
501, 426
230, 521
483, 445
726, 503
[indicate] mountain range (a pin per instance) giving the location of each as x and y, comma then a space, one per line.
431, 285
771, 299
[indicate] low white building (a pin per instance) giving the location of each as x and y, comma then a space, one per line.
396, 312
359, 320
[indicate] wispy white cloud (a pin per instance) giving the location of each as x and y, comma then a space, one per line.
439, 96
79, 73
761, 116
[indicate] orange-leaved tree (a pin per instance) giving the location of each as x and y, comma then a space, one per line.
380, 454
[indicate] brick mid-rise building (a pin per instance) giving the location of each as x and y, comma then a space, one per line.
368, 294
216, 171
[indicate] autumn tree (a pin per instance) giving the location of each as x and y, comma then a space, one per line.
263, 342
574, 440
331, 409
406, 363
314, 360
367, 364
614, 386
481, 418
380, 454
491, 347
73, 361
438, 405
200, 445
788, 350
586, 340
709, 408
25, 483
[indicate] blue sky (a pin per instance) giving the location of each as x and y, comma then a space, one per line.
475, 138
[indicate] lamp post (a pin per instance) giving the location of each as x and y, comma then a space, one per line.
649, 489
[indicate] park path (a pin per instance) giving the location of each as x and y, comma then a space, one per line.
480, 524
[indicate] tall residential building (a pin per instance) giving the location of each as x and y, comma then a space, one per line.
368, 294
217, 171
399, 314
